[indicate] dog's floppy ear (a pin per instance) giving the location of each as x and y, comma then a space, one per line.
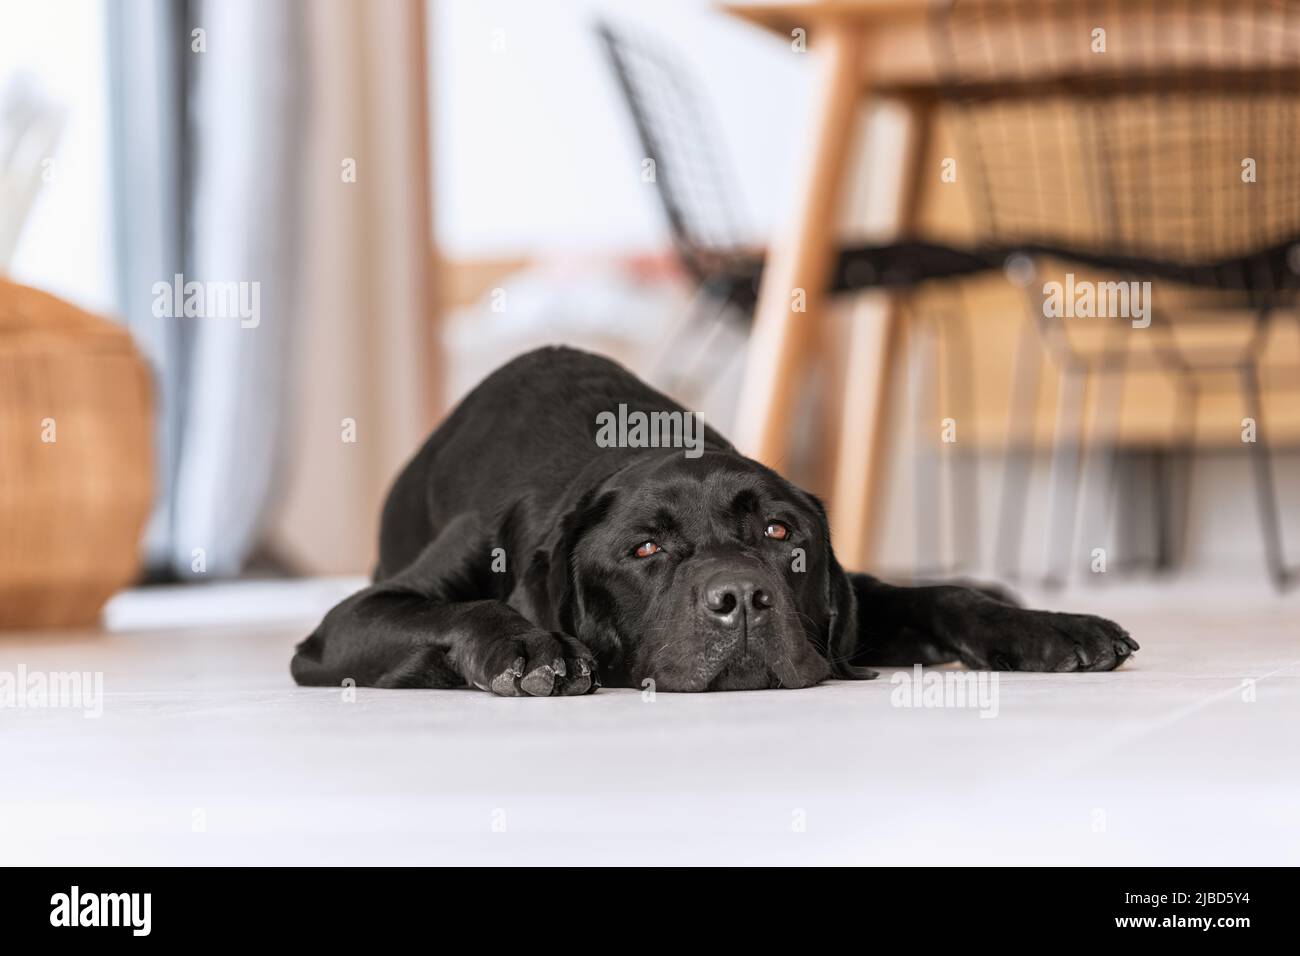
548, 593
842, 631
841, 636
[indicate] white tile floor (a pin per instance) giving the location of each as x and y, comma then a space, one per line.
207, 753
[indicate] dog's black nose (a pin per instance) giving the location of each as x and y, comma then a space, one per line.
733, 598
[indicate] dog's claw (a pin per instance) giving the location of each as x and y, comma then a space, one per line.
576, 687
543, 664
540, 682
503, 685
582, 682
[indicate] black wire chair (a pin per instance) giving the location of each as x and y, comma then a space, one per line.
1140, 199
1138, 171
696, 191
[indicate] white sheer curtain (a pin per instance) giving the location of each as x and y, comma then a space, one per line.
235, 123
368, 352
207, 103
150, 147
247, 110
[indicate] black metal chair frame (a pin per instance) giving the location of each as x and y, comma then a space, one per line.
1265, 276
1260, 276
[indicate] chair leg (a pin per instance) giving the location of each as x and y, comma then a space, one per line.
666, 364
936, 360
1102, 455
1176, 478
1064, 494
1265, 491
1135, 474
963, 467
921, 383
1018, 458
705, 366
1162, 506
688, 359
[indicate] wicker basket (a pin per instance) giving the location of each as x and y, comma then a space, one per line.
76, 460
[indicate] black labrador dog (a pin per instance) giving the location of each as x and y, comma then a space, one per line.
569, 526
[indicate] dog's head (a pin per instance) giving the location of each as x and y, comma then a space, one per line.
712, 573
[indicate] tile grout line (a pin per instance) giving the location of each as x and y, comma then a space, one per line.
1160, 723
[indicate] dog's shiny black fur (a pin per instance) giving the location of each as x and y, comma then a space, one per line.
508, 562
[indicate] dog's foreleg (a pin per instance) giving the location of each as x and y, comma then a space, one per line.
431, 625
388, 637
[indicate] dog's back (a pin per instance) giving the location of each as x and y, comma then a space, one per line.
540, 409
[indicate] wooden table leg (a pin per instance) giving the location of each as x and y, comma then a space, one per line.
858, 490
799, 261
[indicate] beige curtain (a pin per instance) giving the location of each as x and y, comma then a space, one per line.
368, 346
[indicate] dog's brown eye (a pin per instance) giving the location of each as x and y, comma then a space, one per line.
776, 531
647, 549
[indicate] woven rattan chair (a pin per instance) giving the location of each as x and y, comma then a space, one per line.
1134, 170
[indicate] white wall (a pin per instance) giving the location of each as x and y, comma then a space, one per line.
533, 149
66, 246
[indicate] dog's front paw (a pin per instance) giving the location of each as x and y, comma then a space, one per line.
1018, 640
540, 664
